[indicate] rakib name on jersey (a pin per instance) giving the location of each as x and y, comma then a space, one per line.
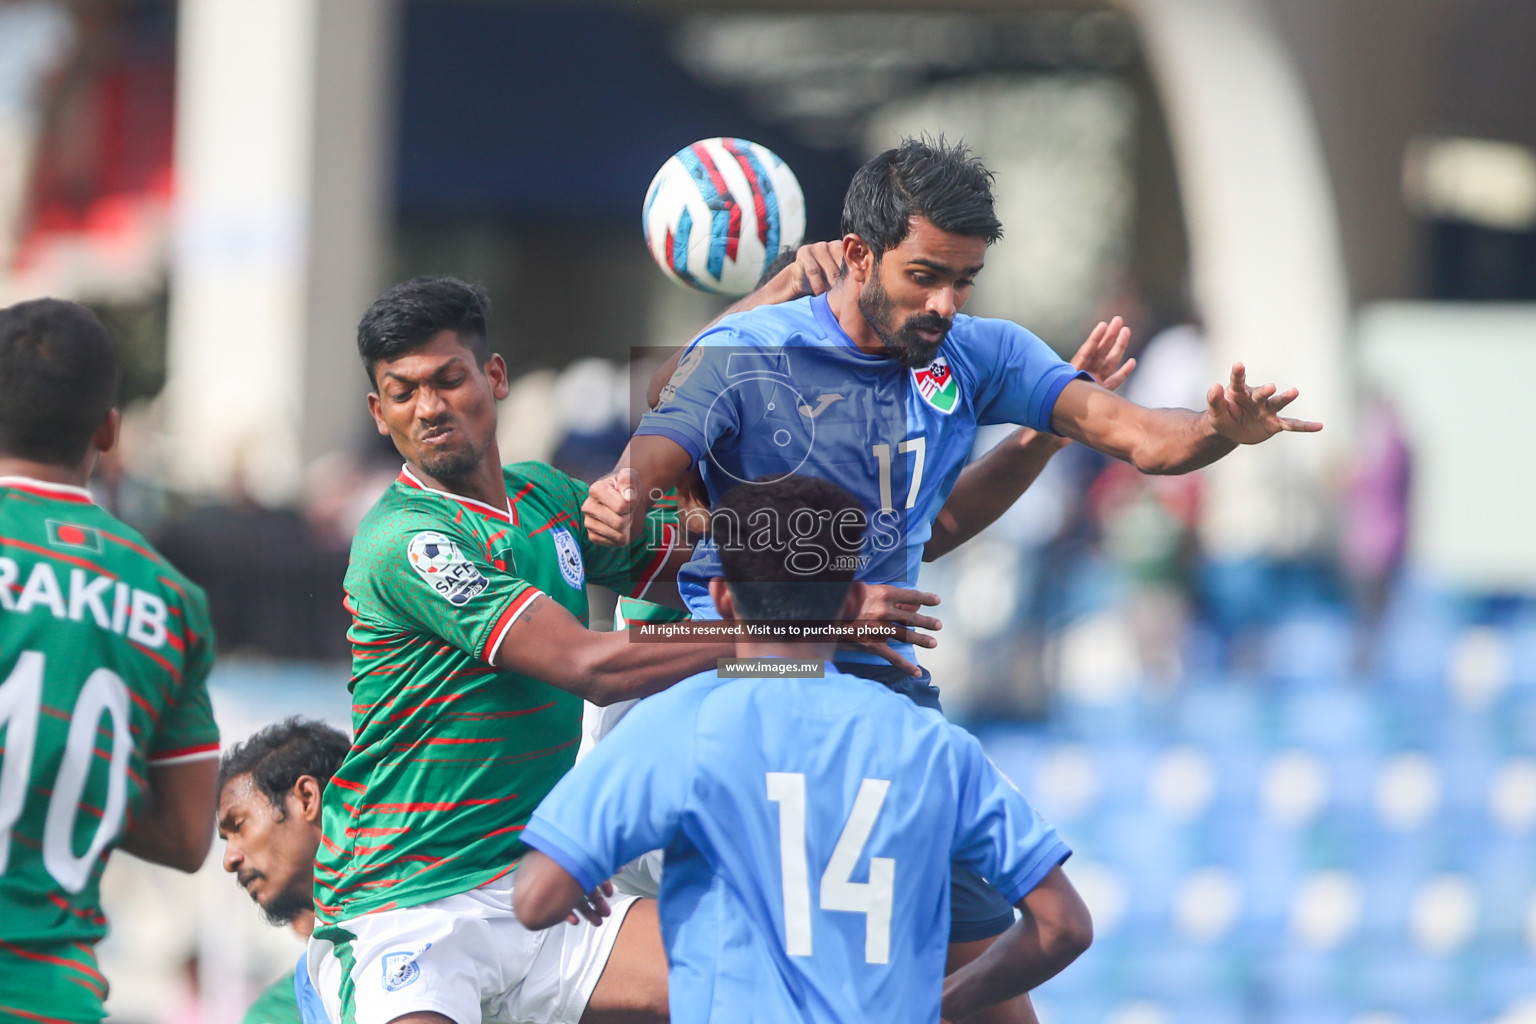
111, 604
439, 562
568, 553
937, 384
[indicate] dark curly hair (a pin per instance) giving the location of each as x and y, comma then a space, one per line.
279, 755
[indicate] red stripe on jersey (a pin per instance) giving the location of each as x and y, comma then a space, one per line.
57, 556
447, 698
85, 914
356, 787
452, 805
504, 622
27, 1015
519, 496
563, 517
648, 574
356, 832
44, 489
504, 831
478, 716
180, 752
144, 705
57, 961
159, 660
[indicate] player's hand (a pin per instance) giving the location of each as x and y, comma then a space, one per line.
1248, 415
610, 509
593, 906
1102, 352
903, 607
817, 266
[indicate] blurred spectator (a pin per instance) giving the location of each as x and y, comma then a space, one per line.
1374, 537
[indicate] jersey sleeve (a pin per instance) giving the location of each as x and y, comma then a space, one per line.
424, 575
695, 409
628, 571
187, 731
627, 796
1022, 379
997, 833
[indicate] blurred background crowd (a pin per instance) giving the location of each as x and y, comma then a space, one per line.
1285, 709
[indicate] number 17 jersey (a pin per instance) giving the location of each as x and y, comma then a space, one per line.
104, 655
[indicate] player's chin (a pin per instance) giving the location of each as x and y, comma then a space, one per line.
448, 463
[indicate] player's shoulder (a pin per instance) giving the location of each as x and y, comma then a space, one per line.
983, 339
768, 326
531, 478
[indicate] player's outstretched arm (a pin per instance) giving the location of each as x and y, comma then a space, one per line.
175, 828
1175, 440
617, 503
545, 894
989, 486
549, 643
1054, 930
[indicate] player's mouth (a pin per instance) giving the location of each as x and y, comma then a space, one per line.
248, 880
437, 436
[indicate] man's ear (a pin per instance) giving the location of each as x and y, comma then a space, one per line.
858, 258
305, 797
105, 437
720, 593
496, 370
373, 410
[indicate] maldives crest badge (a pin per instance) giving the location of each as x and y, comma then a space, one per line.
937, 384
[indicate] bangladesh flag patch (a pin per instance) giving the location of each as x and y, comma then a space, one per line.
71, 535
937, 384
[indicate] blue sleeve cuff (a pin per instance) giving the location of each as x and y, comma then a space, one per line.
1050, 389
1050, 855
563, 851
691, 443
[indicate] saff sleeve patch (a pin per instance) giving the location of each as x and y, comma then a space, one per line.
438, 561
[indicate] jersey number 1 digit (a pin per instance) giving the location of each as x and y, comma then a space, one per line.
873, 898
882, 453
21, 702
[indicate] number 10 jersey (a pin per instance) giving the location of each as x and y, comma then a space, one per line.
104, 656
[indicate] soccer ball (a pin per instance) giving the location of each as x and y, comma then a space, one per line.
431, 552
719, 212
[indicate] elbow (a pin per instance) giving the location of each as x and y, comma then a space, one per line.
533, 913
1069, 938
190, 854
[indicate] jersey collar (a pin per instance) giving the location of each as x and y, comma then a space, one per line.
409, 479
48, 489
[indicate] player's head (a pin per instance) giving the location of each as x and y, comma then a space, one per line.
788, 548
58, 377
269, 811
917, 221
435, 380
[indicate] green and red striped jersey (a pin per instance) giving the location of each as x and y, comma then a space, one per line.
104, 658
450, 755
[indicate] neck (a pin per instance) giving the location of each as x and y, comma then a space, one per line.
800, 652
304, 924
485, 483
843, 301
72, 476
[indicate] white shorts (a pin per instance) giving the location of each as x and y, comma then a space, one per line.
641, 876
466, 957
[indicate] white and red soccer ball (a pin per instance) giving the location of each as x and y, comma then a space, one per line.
719, 212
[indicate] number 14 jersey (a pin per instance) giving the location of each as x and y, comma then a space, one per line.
809, 826
104, 655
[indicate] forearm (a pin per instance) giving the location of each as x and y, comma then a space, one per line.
175, 827
609, 667
543, 892
1017, 962
1174, 441
989, 486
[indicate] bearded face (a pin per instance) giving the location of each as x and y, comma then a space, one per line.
914, 340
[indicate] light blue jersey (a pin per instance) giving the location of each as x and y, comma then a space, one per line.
808, 827
782, 389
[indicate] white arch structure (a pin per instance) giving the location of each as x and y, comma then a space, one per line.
1266, 259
